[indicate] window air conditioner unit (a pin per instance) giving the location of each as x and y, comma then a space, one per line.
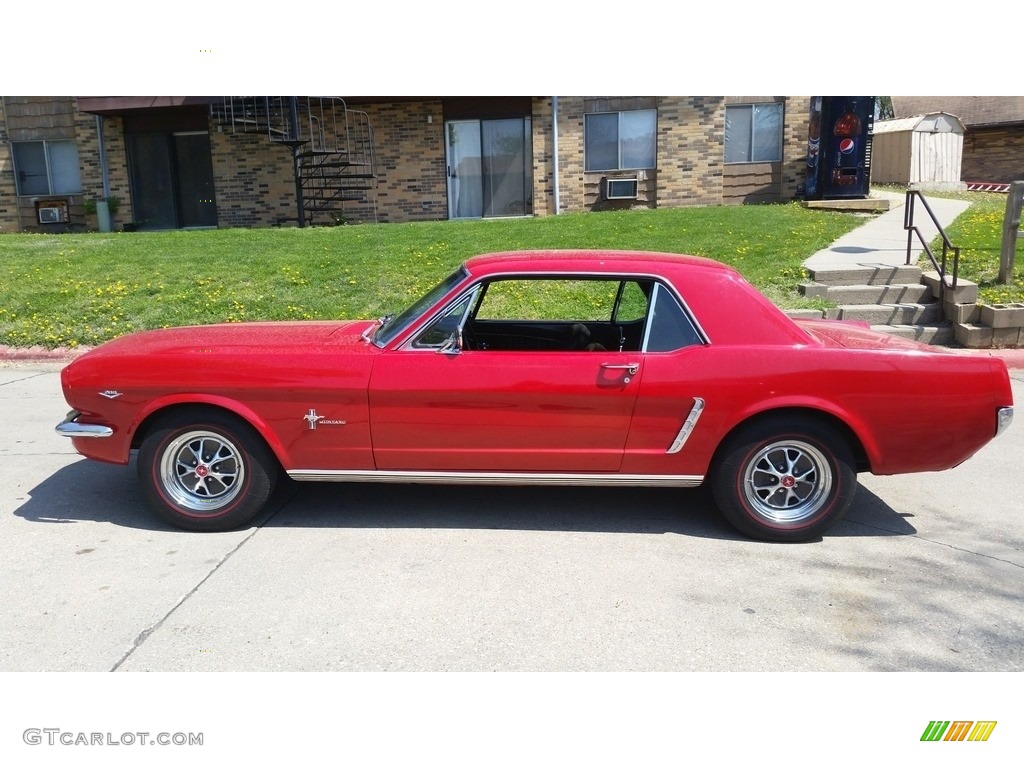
52, 212
620, 189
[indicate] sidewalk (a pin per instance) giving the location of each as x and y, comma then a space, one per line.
882, 241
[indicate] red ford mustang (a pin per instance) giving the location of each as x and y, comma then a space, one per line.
590, 368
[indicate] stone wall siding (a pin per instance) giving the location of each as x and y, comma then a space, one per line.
993, 154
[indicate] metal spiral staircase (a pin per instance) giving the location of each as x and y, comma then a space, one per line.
332, 147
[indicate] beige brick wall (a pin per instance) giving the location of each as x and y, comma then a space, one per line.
689, 155
254, 180
88, 141
691, 131
571, 177
411, 173
794, 145
117, 169
8, 192
543, 157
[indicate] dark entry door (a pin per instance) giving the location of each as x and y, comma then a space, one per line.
172, 180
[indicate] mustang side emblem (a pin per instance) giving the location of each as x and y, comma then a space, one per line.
315, 418
110, 394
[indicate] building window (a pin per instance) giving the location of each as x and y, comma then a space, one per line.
47, 167
619, 141
753, 133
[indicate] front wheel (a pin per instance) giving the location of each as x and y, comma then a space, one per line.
785, 480
204, 470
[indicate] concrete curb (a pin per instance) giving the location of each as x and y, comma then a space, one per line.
40, 354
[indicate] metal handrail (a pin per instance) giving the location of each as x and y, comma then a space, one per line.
947, 246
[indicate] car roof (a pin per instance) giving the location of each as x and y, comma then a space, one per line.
595, 261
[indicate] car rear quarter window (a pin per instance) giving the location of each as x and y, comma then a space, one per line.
670, 328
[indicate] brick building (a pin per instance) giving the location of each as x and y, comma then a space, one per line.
174, 162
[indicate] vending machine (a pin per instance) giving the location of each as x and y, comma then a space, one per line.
839, 147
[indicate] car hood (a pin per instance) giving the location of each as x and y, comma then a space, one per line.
233, 337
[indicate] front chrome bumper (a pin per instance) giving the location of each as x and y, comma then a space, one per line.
71, 428
1004, 416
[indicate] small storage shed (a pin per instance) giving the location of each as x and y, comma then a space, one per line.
925, 149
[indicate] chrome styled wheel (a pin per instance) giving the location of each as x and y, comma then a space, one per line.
202, 471
787, 481
785, 477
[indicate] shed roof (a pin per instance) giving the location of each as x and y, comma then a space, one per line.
933, 122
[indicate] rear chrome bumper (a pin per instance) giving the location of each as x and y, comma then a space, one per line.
71, 428
1004, 416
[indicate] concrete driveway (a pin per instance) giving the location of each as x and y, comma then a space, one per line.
925, 574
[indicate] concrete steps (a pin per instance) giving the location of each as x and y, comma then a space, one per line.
890, 314
941, 333
892, 299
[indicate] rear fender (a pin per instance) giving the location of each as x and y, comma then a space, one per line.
858, 428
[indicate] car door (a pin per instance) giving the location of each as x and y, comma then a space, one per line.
545, 398
668, 433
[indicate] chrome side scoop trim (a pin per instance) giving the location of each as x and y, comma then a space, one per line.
688, 425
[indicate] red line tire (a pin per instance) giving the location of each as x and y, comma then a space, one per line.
206, 470
785, 479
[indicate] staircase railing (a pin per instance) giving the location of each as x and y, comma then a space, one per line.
912, 229
332, 146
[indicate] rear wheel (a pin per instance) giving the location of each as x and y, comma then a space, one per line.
785, 479
205, 470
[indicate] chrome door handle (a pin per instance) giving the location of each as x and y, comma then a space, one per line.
632, 368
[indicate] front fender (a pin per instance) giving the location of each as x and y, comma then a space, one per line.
153, 408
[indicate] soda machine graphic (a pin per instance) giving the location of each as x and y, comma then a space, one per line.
839, 147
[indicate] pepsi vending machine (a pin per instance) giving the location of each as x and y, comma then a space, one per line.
839, 147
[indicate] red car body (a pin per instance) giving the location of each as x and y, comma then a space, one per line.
409, 401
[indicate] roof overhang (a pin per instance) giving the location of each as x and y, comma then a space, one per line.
119, 105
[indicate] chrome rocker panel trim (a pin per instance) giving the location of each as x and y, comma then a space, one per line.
71, 428
495, 478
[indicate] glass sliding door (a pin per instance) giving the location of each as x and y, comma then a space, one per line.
465, 171
490, 168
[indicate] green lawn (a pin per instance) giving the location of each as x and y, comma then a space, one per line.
979, 233
70, 290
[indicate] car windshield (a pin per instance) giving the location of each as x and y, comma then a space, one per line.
393, 326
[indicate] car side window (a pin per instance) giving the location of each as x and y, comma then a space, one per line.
551, 300
669, 328
631, 305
